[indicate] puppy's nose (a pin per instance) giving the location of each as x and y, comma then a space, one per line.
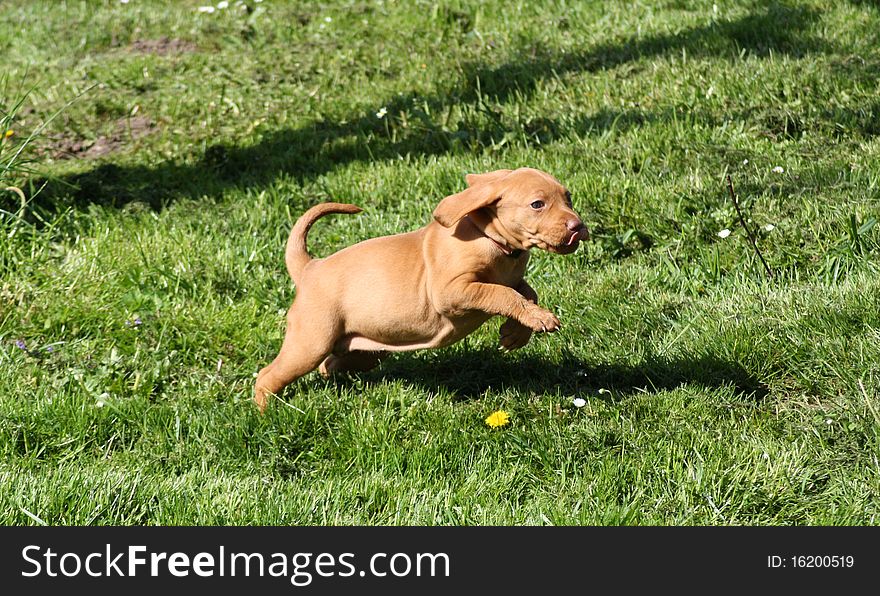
578, 227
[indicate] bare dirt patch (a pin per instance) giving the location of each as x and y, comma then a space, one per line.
125, 130
162, 46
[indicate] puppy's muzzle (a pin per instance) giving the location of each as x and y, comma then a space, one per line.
577, 231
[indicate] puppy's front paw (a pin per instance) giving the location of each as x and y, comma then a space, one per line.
514, 335
539, 319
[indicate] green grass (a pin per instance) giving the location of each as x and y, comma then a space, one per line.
147, 282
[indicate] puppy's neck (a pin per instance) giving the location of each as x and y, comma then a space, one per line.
485, 226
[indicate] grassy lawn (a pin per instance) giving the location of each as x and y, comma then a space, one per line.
143, 285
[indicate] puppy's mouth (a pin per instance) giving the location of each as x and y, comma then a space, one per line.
570, 244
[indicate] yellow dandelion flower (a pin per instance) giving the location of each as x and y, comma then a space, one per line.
499, 418
8, 133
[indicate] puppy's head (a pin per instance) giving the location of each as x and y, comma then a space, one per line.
530, 208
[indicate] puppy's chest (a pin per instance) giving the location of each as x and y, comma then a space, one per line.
505, 271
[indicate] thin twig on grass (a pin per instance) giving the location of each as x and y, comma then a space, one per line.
742, 222
868, 401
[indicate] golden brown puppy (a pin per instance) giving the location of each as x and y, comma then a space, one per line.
428, 288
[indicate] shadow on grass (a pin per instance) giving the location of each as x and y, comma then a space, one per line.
312, 150
471, 375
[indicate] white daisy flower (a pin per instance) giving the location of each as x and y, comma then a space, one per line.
222, 5
769, 228
381, 113
778, 170
579, 402
206, 9
745, 162
724, 233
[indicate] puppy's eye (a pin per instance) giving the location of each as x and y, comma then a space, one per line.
537, 205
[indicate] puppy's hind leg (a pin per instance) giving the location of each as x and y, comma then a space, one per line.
306, 343
356, 361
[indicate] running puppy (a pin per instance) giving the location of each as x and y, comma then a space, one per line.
428, 288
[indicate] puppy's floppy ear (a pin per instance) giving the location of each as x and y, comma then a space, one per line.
475, 179
483, 190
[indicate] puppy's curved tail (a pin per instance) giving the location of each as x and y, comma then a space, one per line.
296, 256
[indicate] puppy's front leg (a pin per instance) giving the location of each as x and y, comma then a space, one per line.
514, 334
499, 300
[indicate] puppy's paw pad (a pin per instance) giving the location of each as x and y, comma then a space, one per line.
514, 335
